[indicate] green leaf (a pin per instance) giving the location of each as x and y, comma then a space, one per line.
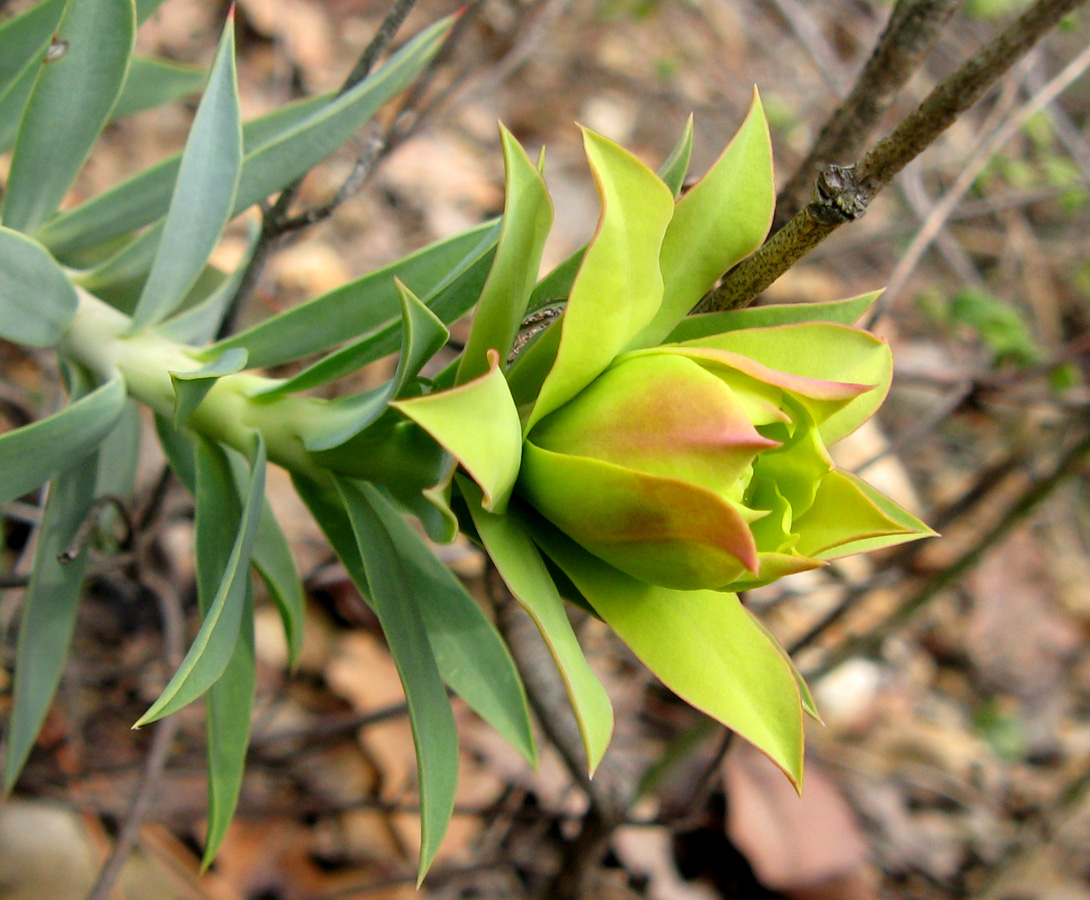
844, 312
703, 645
478, 424
37, 301
230, 697
392, 586
472, 658
274, 563
118, 458
23, 37
191, 387
271, 554
70, 102
449, 300
849, 516
823, 350
676, 166
215, 642
198, 324
524, 572
228, 710
204, 193
49, 611
145, 197
35, 453
366, 306
471, 655
289, 156
618, 288
423, 334
527, 217
723, 219
23, 42
155, 82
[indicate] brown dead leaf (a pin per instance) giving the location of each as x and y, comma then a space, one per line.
798, 844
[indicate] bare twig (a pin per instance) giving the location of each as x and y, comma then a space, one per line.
170, 608
909, 35
987, 148
843, 193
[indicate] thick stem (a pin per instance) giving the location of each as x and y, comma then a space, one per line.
100, 339
842, 194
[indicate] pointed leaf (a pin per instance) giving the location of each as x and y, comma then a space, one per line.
230, 698
215, 642
228, 710
423, 334
676, 166
49, 612
191, 387
618, 288
204, 193
703, 645
527, 217
821, 350
524, 572
35, 453
451, 298
844, 312
68, 106
151, 83
849, 516
360, 307
145, 197
457, 631
23, 42
291, 154
476, 423
37, 301
392, 587
723, 219
470, 653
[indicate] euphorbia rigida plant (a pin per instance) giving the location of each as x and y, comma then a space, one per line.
640, 463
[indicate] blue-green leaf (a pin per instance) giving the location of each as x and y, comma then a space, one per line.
145, 197
451, 298
204, 193
392, 587
230, 697
68, 106
215, 642
291, 154
191, 387
472, 658
23, 42
228, 708
365, 306
423, 334
35, 453
155, 82
49, 611
37, 301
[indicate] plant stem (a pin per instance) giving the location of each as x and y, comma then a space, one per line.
910, 33
843, 193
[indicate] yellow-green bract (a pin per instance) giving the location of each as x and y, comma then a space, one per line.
664, 466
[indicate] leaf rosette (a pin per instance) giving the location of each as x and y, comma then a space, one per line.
663, 463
